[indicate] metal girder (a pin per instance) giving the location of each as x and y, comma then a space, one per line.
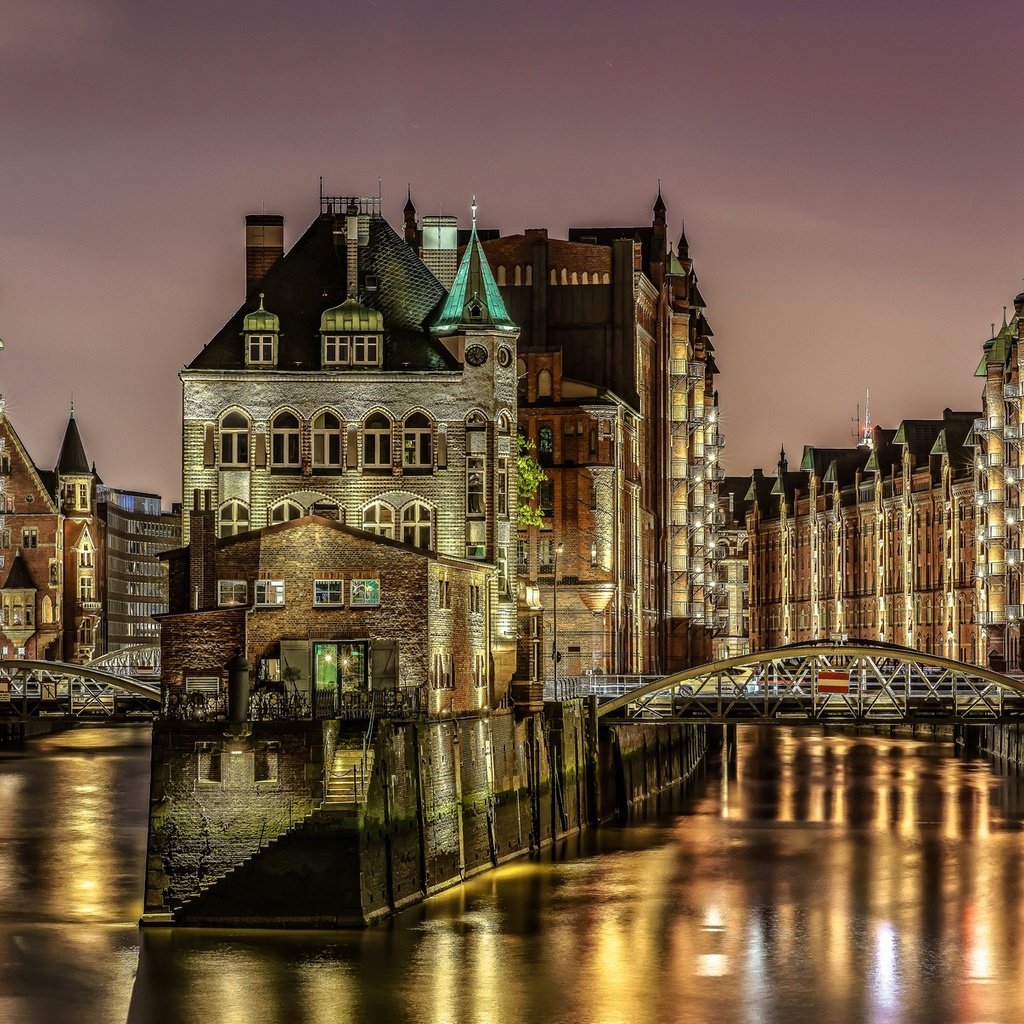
51, 687
827, 682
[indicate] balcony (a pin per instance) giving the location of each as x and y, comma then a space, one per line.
990, 618
1013, 432
985, 425
1014, 612
1013, 390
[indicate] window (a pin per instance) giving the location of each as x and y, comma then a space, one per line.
234, 519
336, 350
328, 593
545, 445
504, 422
29, 538
502, 486
502, 562
546, 497
366, 350
264, 763
479, 670
234, 440
544, 384
442, 671
5, 538
476, 599
86, 591
377, 443
416, 442
327, 441
285, 512
379, 518
86, 632
416, 525
85, 559
231, 593
269, 592
523, 554
364, 593
444, 594
476, 479
83, 496
284, 440
261, 348
544, 555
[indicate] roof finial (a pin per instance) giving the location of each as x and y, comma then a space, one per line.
261, 309
72, 405
1004, 318
473, 208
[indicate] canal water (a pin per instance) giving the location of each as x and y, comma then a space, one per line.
806, 878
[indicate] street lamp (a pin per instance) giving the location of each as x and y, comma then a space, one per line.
554, 622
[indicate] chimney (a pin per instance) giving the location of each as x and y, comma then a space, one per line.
202, 553
352, 249
264, 246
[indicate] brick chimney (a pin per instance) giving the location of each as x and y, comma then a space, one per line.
264, 246
202, 553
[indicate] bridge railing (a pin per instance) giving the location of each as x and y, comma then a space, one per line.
295, 705
590, 684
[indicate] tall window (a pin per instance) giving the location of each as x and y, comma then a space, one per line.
85, 632
234, 518
416, 442
379, 518
285, 512
545, 445
327, 441
416, 525
366, 350
86, 591
284, 440
476, 481
502, 486
377, 442
234, 440
544, 384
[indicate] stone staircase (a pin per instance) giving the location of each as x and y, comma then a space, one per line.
345, 793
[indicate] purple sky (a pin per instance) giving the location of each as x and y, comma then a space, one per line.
848, 174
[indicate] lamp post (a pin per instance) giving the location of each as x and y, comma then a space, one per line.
554, 621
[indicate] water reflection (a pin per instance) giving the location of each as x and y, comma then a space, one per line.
812, 878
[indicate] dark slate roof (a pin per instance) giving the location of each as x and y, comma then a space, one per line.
19, 577
733, 494
72, 451
310, 278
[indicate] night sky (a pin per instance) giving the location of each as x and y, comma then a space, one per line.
850, 176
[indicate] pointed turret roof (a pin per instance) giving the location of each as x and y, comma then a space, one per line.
474, 300
409, 208
684, 245
72, 459
659, 203
19, 578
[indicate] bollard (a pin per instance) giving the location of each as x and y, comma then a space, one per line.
238, 692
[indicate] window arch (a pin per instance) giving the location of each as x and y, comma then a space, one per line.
518, 279
377, 442
379, 518
544, 384
234, 440
417, 442
500, 276
327, 441
504, 422
476, 420
284, 440
234, 519
417, 525
286, 511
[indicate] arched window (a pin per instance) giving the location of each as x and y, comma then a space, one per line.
379, 518
585, 279
504, 422
518, 274
416, 525
500, 276
327, 441
284, 440
377, 442
46, 609
416, 442
286, 511
234, 440
234, 518
544, 384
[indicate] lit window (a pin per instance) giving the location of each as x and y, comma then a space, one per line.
234, 519
502, 487
476, 480
379, 518
364, 593
327, 441
231, 592
377, 443
269, 592
416, 442
284, 440
234, 440
502, 563
86, 591
29, 538
327, 593
261, 348
416, 525
286, 511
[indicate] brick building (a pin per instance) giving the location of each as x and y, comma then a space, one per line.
350, 384
876, 541
327, 612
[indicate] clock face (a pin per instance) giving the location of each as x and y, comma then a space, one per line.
504, 356
476, 355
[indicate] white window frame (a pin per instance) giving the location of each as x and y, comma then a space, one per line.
364, 593
234, 441
285, 512
417, 516
379, 518
337, 350
289, 439
417, 442
268, 593
476, 486
260, 349
324, 439
231, 527
374, 441
232, 593
366, 350
328, 593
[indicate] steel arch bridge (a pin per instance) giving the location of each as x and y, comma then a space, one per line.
55, 688
822, 682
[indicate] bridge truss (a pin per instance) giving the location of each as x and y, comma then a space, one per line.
817, 683
56, 688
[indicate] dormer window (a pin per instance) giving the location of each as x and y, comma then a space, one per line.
261, 349
352, 334
261, 329
336, 350
366, 350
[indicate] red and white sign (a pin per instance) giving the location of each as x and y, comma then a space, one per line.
833, 682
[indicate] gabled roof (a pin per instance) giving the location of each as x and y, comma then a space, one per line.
72, 460
474, 300
19, 578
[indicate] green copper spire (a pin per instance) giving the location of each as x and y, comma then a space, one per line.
474, 300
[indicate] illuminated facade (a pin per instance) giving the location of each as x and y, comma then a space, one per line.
876, 541
352, 386
616, 389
